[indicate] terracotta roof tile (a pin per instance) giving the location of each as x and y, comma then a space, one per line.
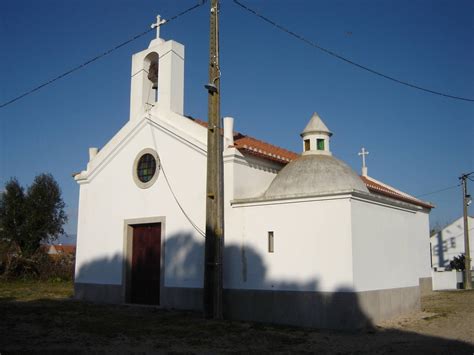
250, 145
277, 154
385, 190
257, 147
65, 249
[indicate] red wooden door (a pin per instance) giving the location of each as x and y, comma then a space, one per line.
145, 275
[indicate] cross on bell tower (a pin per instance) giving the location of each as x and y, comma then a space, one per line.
157, 25
363, 153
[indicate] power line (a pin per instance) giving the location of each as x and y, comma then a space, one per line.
313, 44
107, 52
437, 191
193, 224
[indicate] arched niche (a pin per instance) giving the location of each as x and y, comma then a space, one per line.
151, 67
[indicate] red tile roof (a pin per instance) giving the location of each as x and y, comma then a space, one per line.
65, 249
250, 145
274, 153
382, 189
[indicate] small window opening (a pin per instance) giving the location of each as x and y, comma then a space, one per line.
445, 246
270, 242
320, 144
306, 145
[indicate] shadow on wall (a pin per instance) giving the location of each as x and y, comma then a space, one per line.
440, 249
249, 293
184, 261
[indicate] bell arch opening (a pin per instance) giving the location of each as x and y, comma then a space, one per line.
151, 66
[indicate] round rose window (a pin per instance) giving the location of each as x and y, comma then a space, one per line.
146, 168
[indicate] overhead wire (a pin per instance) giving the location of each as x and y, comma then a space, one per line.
107, 52
193, 224
437, 191
334, 54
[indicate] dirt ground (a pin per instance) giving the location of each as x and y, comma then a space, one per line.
42, 318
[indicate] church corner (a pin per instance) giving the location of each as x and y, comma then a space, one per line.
308, 241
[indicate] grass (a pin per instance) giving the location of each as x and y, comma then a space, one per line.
43, 316
29, 290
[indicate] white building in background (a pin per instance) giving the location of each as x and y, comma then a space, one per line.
449, 242
307, 240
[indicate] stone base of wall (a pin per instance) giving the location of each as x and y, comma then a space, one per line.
101, 293
182, 298
331, 310
426, 285
379, 305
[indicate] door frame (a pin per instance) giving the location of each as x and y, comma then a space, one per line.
128, 252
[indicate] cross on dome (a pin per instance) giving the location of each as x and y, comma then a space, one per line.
363, 153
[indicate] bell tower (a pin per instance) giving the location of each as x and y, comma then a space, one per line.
157, 76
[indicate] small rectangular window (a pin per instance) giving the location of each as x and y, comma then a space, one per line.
453, 242
306, 145
270, 242
320, 144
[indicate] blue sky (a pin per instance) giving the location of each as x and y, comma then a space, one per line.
271, 83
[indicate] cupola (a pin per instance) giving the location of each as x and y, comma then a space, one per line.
316, 137
316, 171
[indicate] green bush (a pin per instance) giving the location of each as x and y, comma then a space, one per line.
40, 266
458, 263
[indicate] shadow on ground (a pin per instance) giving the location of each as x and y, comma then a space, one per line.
75, 326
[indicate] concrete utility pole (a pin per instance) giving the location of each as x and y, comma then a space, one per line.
215, 192
467, 252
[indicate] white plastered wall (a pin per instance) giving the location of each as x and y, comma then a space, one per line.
390, 246
312, 246
250, 176
109, 196
449, 242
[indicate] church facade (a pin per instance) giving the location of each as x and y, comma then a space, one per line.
307, 240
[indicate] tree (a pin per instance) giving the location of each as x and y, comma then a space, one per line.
12, 211
31, 218
458, 263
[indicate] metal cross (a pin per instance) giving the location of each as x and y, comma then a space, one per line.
363, 153
157, 25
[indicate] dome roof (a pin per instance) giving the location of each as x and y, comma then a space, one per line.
314, 175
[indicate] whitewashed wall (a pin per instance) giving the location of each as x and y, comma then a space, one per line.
250, 176
109, 196
311, 239
449, 242
390, 246
446, 280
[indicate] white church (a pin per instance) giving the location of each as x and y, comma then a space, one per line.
308, 241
